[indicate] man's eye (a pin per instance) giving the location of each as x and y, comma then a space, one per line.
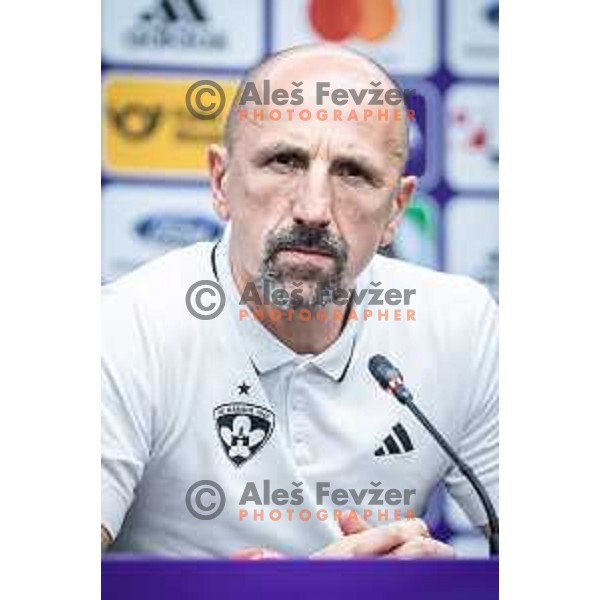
354, 173
287, 161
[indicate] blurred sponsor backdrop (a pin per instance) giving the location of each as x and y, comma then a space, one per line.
154, 171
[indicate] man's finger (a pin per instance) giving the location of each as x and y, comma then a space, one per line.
254, 554
375, 541
350, 525
423, 547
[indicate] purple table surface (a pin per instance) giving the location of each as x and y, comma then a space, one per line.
244, 580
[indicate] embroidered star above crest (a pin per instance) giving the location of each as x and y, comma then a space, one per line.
243, 389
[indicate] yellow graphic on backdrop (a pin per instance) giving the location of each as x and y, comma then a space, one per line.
148, 129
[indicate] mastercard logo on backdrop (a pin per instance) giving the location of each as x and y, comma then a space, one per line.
337, 20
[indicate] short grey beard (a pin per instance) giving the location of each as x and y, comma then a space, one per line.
319, 288
319, 292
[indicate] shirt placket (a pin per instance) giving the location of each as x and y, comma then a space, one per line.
297, 416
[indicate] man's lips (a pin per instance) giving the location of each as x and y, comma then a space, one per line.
307, 251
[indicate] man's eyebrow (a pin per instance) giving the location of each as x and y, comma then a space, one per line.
359, 159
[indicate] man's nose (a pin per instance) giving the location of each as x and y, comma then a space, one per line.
312, 205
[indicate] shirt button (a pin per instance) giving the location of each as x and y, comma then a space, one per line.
302, 452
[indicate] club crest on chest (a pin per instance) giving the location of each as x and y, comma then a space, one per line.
243, 429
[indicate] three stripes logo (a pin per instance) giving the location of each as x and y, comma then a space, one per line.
176, 25
169, 11
397, 442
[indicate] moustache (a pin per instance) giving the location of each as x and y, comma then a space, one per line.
303, 238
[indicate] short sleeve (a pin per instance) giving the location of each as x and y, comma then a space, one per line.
478, 445
127, 405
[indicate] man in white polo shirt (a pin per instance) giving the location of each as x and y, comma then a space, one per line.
238, 410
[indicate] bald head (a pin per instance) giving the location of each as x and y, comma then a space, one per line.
338, 66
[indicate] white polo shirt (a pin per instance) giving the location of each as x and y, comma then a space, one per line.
189, 403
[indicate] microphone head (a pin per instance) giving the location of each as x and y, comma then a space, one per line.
383, 370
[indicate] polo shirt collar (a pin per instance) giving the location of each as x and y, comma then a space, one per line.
265, 350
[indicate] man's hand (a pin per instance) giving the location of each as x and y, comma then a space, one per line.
402, 539
105, 538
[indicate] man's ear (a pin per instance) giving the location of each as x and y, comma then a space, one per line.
218, 165
403, 193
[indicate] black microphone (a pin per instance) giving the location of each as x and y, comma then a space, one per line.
391, 380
